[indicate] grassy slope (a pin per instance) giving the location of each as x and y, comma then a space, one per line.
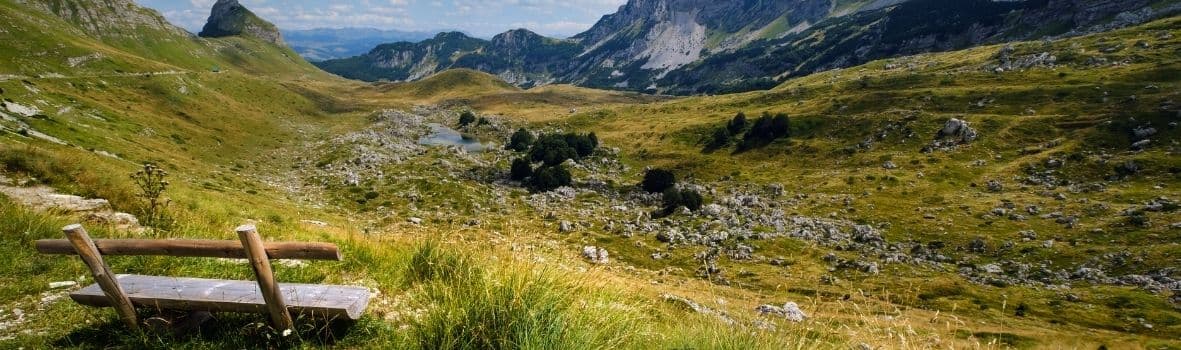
1074, 111
227, 123
214, 132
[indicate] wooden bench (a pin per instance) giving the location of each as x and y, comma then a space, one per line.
280, 300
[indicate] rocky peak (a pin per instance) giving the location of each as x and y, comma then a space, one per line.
516, 41
229, 18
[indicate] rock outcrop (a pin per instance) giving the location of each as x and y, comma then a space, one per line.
229, 18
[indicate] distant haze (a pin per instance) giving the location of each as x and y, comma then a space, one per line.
482, 18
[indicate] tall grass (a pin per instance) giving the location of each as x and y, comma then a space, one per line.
511, 307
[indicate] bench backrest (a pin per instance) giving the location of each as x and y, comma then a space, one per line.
249, 246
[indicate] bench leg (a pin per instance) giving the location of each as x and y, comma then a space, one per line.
102, 273
257, 254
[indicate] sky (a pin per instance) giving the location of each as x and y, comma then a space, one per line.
483, 18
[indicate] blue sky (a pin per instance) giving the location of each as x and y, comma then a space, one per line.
484, 18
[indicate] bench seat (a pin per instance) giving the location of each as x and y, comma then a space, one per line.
198, 294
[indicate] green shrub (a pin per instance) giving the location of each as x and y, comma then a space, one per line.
549, 178
765, 130
658, 180
466, 118
521, 169
520, 141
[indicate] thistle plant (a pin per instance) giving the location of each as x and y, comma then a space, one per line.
152, 183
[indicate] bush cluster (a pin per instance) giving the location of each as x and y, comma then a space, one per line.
664, 182
764, 130
674, 199
551, 150
466, 118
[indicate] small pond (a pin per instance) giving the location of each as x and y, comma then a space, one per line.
442, 135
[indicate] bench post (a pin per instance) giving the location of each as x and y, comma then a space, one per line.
86, 249
257, 255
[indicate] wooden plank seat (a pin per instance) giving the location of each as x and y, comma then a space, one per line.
199, 294
280, 300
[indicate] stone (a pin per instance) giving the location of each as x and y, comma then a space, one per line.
1144, 132
1028, 235
595, 254
992, 268
889, 165
995, 186
415, 220
565, 226
789, 311
62, 284
698, 308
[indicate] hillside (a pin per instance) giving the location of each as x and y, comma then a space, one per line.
1002, 196
686, 47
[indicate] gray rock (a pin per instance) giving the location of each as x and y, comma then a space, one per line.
414, 220
1144, 132
698, 308
995, 186
789, 311
889, 165
595, 254
565, 226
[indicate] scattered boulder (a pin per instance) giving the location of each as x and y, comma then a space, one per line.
790, 311
698, 308
1143, 132
889, 165
595, 254
565, 226
955, 132
995, 186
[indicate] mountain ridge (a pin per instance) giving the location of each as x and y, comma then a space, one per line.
686, 47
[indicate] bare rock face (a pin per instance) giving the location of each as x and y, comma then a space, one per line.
229, 18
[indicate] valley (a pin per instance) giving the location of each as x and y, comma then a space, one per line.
1009, 195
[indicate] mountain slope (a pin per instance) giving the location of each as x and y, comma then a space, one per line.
698, 46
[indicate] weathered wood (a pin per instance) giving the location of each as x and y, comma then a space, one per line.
195, 248
103, 277
257, 256
197, 294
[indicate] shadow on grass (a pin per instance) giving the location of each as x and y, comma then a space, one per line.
224, 331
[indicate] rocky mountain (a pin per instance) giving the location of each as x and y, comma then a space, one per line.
708, 46
106, 18
520, 57
229, 18
331, 43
